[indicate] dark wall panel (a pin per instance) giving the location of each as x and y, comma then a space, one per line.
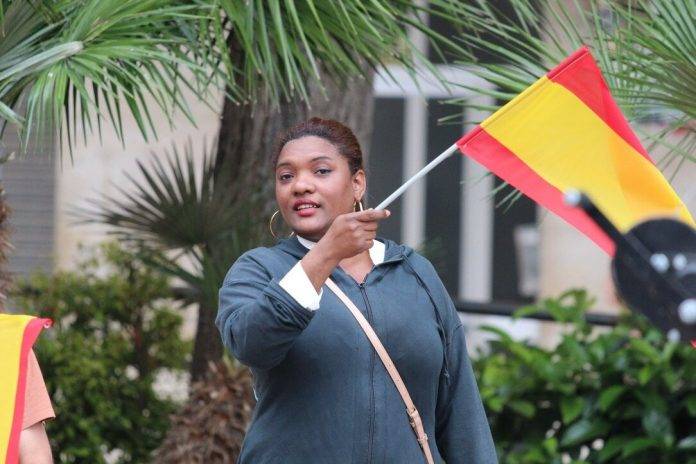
505, 274
385, 163
443, 195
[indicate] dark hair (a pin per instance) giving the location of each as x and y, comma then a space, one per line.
330, 130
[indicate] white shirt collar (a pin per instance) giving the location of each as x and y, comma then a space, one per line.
376, 251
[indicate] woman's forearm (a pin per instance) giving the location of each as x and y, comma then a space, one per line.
34, 447
257, 318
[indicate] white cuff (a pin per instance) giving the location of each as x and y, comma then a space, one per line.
297, 284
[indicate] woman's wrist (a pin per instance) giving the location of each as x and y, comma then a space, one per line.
318, 264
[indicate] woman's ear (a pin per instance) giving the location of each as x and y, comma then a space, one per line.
359, 184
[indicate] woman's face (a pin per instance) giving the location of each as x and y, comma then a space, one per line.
314, 185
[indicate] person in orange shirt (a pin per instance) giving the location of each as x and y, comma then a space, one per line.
34, 447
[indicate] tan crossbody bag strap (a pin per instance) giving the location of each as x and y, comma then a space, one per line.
414, 417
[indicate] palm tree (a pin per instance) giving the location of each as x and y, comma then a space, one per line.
185, 224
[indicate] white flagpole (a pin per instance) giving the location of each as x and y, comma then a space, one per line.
428, 167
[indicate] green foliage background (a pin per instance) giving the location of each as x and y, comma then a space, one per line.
626, 395
114, 330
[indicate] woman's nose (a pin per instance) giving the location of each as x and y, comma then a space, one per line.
302, 184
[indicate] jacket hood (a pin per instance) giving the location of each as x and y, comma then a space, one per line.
392, 252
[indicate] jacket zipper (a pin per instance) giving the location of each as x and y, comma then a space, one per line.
372, 369
372, 356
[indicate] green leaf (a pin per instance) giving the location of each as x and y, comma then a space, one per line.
658, 426
637, 445
550, 445
524, 311
688, 443
651, 399
612, 447
646, 349
571, 408
583, 431
609, 396
525, 408
645, 374
145, 54
496, 403
497, 331
691, 404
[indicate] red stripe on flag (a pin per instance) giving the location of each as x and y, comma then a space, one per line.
31, 332
580, 74
486, 150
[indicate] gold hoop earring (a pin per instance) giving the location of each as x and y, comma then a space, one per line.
270, 225
358, 203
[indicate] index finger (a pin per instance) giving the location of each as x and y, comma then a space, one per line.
369, 215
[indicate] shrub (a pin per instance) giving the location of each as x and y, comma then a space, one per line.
624, 396
112, 334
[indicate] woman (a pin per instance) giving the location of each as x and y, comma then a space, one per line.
323, 395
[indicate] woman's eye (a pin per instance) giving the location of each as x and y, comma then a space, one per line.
287, 176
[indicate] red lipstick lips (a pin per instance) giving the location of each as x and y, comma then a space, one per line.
305, 208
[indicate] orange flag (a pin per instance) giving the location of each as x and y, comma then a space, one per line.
17, 336
565, 131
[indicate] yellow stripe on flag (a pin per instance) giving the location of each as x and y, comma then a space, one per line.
554, 123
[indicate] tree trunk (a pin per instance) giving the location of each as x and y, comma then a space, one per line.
245, 148
207, 345
210, 427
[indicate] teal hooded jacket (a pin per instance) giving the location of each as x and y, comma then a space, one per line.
323, 395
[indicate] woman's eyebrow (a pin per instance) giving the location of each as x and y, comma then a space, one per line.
316, 158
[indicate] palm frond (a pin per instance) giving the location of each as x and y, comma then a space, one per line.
660, 63
521, 46
76, 61
172, 205
646, 50
275, 47
185, 223
73, 63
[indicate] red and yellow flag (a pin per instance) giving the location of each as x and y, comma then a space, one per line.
17, 336
565, 131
